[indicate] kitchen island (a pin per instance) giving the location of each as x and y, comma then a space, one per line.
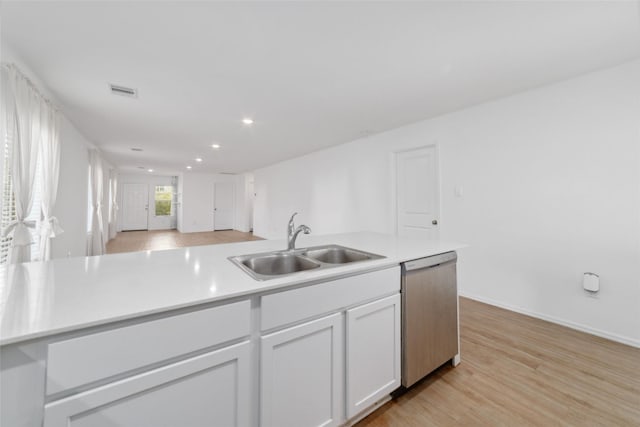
189, 337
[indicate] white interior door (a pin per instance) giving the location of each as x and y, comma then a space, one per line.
223, 206
418, 192
135, 207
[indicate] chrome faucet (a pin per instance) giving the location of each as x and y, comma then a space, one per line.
292, 232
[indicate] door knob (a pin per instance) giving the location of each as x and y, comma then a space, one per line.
434, 222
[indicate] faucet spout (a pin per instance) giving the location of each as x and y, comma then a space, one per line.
292, 232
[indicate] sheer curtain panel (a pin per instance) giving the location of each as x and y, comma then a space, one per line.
24, 121
50, 152
97, 244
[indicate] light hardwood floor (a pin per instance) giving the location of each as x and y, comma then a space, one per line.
521, 371
133, 241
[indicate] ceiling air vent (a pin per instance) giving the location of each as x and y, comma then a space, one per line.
124, 91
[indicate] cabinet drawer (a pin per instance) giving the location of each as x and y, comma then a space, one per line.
210, 389
298, 304
90, 358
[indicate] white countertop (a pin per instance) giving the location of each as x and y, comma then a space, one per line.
45, 298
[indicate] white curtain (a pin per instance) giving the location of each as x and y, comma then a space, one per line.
97, 243
50, 152
114, 204
23, 115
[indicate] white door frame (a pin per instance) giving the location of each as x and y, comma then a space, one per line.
393, 161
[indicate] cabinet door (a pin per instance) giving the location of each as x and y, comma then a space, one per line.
373, 352
301, 375
210, 389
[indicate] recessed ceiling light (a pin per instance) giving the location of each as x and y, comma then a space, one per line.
216, 146
136, 149
188, 167
198, 159
150, 170
247, 121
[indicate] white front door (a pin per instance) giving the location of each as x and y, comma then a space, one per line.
223, 206
418, 192
135, 207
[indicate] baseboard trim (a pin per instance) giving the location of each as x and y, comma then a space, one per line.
577, 326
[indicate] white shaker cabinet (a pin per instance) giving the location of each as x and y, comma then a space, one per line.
301, 375
326, 371
209, 389
373, 353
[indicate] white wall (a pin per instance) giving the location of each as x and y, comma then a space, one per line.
71, 205
154, 222
196, 197
244, 202
551, 181
196, 203
72, 201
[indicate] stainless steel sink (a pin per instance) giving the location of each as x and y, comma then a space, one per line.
270, 265
279, 263
338, 255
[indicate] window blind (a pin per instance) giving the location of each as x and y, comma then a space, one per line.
8, 213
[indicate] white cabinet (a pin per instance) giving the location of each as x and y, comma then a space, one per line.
373, 353
302, 375
212, 388
326, 371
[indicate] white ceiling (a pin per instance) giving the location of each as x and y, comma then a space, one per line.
311, 74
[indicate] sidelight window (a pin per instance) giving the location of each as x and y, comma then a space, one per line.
164, 200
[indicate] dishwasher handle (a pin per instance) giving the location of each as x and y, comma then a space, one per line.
431, 261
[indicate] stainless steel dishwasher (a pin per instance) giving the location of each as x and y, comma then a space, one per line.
429, 315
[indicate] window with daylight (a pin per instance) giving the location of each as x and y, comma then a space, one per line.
164, 200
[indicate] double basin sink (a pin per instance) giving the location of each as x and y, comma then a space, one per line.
271, 265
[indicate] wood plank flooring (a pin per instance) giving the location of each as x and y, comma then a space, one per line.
521, 371
133, 241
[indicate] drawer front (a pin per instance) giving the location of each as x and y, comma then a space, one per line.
82, 360
212, 389
298, 304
